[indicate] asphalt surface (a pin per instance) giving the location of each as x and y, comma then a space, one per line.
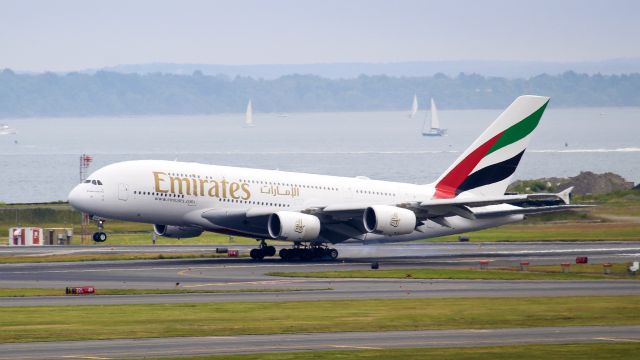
357, 251
221, 345
229, 274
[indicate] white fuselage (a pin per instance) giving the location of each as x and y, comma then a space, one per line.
177, 193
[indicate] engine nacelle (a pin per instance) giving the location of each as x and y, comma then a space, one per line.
293, 226
179, 232
389, 220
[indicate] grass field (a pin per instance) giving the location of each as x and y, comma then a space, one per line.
24, 324
25, 292
578, 272
602, 351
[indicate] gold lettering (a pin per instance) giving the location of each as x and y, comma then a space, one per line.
180, 181
202, 182
189, 185
214, 191
233, 187
195, 186
247, 193
158, 180
224, 188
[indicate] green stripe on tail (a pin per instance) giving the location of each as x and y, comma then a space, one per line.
519, 130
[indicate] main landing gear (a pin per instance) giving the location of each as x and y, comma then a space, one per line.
263, 251
100, 235
298, 252
308, 253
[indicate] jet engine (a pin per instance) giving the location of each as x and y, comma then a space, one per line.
293, 226
389, 220
179, 232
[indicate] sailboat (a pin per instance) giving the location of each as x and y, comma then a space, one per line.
435, 129
6, 130
414, 106
248, 116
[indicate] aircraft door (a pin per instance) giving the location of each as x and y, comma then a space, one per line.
123, 192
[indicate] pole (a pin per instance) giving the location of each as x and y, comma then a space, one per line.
85, 161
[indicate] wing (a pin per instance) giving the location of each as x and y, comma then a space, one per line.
433, 208
341, 222
346, 219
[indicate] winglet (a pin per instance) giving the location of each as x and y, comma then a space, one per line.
565, 195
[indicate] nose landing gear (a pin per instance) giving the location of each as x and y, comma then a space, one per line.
100, 235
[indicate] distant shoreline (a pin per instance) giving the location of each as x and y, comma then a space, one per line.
118, 94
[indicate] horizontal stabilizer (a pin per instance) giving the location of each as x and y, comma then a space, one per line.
529, 210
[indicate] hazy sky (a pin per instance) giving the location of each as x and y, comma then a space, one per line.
72, 35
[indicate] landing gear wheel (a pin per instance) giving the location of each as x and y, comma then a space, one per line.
256, 254
262, 251
269, 250
99, 236
285, 254
333, 254
317, 252
306, 255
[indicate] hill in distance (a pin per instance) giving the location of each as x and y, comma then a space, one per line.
506, 69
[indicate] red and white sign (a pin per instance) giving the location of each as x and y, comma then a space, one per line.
27, 236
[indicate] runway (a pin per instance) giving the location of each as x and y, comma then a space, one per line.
432, 250
221, 345
233, 274
229, 274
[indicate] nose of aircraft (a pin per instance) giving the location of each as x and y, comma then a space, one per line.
76, 197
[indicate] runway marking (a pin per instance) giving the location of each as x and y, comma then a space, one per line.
306, 280
356, 347
618, 339
265, 282
85, 357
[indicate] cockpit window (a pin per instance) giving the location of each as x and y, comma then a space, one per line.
99, 182
94, 182
87, 181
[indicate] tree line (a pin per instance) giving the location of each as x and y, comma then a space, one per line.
111, 93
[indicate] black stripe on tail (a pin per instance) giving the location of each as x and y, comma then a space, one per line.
490, 174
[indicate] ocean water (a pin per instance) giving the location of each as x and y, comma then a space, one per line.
41, 162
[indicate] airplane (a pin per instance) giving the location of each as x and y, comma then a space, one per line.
182, 199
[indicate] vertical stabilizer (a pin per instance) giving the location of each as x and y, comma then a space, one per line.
486, 167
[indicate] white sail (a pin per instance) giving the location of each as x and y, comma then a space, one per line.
435, 122
414, 106
248, 117
434, 129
